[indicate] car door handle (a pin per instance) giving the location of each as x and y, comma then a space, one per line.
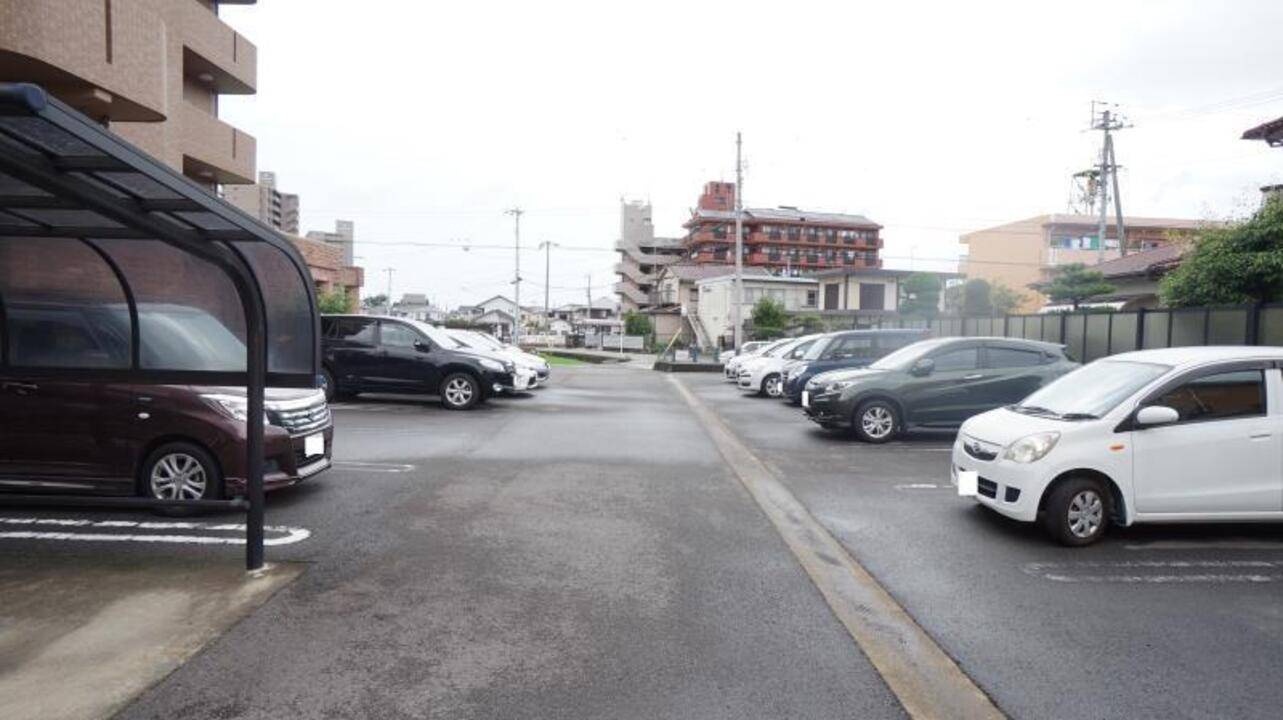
20, 388
977, 376
1260, 436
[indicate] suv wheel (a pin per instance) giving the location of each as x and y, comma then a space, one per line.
876, 421
460, 391
1077, 512
181, 471
328, 385
772, 387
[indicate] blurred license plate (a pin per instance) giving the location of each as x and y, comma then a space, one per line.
314, 445
967, 482
806, 399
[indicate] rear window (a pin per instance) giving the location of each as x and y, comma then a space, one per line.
1010, 357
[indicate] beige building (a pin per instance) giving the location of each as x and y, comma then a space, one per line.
641, 256
717, 301
262, 200
343, 237
151, 70
1023, 253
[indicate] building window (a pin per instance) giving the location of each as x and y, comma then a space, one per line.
811, 298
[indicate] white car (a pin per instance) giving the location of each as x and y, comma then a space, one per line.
522, 359
731, 368
747, 348
1192, 434
764, 374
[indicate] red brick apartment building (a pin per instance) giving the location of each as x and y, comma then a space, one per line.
784, 239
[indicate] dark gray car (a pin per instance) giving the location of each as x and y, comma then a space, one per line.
933, 383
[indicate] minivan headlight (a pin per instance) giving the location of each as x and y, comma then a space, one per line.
1031, 448
234, 406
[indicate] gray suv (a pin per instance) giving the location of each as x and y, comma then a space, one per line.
933, 383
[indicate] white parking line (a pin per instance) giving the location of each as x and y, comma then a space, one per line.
375, 467
1159, 571
921, 486
70, 531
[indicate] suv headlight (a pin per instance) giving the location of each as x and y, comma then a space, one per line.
838, 385
494, 365
1031, 448
233, 406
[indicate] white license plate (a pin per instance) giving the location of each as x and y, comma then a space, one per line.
968, 482
314, 445
806, 399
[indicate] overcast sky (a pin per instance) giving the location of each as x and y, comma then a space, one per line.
423, 121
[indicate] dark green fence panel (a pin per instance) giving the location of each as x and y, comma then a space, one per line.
1189, 327
1122, 332
1271, 326
1096, 336
1157, 323
1076, 335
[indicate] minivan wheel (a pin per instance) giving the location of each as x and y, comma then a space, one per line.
772, 387
328, 385
1077, 512
181, 471
460, 391
876, 421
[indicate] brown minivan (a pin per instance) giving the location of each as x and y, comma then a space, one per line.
171, 442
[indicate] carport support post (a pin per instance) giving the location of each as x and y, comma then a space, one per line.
256, 382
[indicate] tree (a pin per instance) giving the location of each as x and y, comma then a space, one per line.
1238, 263
1005, 300
636, 323
373, 302
769, 319
333, 301
1075, 283
810, 323
921, 295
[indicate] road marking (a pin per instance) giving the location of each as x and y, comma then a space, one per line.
375, 467
1158, 572
1226, 544
69, 531
928, 683
919, 486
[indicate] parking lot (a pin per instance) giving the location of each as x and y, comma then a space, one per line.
585, 550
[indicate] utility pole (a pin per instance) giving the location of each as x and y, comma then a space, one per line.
516, 283
589, 277
1107, 122
387, 306
547, 247
737, 315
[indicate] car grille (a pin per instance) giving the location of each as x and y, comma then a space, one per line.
300, 421
978, 449
988, 488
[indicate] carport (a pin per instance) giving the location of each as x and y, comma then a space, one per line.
88, 219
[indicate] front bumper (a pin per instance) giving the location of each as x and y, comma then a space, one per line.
286, 461
828, 410
1006, 487
519, 381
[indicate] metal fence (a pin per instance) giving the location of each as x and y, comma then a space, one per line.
1093, 335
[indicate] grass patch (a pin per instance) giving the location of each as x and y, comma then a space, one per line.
555, 361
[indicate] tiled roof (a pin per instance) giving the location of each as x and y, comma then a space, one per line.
788, 214
1271, 131
693, 271
1142, 263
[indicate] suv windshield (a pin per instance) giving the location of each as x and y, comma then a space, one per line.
1092, 390
437, 335
906, 355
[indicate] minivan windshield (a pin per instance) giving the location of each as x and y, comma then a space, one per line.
1092, 390
818, 347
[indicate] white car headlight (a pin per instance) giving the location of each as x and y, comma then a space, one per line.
234, 406
1031, 448
495, 365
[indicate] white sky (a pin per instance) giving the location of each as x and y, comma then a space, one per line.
423, 120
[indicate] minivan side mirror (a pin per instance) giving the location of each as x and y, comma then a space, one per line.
1156, 415
923, 367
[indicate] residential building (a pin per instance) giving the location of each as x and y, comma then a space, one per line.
866, 293
641, 255
416, 306
343, 237
151, 70
1136, 277
786, 239
603, 308
262, 200
1024, 253
329, 272
675, 300
714, 315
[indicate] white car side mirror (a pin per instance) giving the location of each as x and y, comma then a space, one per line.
1156, 415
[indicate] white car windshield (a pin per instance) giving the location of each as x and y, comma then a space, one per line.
437, 335
1091, 390
777, 348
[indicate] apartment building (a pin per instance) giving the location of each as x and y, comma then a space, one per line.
714, 318
1023, 253
262, 200
151, 70
785, 239
641, 256
343, 237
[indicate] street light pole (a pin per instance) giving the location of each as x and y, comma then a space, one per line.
547, 247
516, 283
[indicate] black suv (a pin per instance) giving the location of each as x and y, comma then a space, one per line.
364, 353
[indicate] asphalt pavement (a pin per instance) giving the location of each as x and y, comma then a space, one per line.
585, 551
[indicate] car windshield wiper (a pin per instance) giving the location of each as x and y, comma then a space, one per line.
1034, 410
1079, 416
